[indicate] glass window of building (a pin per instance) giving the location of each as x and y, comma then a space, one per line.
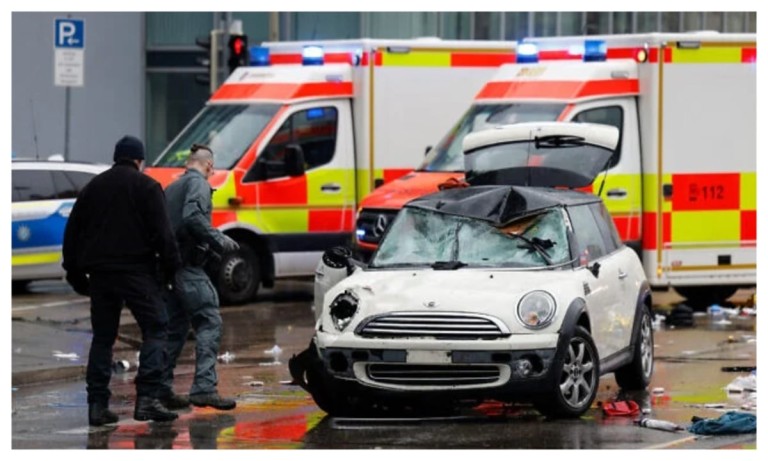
544, 24
255, 26
597, 23
670, 21
487, 26
454, 25
571, 23
402, 25
516, 26
622, 23
734, 21
752, 22
325, 26
177, 28
713, 21
647, 22
692, 21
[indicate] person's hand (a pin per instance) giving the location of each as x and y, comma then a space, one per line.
229, 244
79, 282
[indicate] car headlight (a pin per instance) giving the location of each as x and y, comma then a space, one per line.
536, 309
342, 309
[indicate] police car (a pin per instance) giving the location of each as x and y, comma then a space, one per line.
515, 287
43, 193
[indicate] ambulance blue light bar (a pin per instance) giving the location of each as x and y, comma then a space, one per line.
259, 56
595, 50
312, 56
527, 53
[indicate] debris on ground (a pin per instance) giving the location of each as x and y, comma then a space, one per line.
620, 408
659, 424
732, 422
744, 390
680, 316
738, 369
121, 366
69, 356
255, 383
226, 357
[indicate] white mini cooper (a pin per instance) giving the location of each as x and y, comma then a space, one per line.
514, 288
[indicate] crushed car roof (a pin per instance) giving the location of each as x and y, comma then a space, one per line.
499, 204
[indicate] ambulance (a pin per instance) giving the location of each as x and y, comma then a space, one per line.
308, 129
682, 186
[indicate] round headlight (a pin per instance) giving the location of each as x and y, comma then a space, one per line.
342, 309
536, 309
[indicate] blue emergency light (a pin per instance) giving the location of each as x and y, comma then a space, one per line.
259, 56
595, 50
312, 56
527, 53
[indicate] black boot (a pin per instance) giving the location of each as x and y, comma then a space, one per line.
99, 414
149, 408
212, 400
175, 402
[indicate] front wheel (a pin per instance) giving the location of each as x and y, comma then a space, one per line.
239, 275
577, 368
637, 374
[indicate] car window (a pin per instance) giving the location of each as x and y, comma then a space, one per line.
607, 227
613, 116
312, 129
31, 185
589, 241
419, 237
65, 188
79, 178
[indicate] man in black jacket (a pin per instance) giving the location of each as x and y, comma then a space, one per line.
118, 245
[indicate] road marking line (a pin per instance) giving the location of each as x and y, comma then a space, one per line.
661, 446
58, 303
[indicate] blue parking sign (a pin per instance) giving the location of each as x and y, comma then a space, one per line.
69, 33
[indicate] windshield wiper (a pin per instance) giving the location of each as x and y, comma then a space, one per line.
447, 265
557, 140
537, 244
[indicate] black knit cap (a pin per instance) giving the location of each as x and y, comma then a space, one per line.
129, 147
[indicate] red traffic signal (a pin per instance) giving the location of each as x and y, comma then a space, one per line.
238, 52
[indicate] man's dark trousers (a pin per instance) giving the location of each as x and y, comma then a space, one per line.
141, 293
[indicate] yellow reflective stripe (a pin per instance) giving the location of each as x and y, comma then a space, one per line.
223, 193
706, 226
417, 59
276, 220
26, 259
363, 184
704, 55
631, 183
748, 191
340, 177
651, 192
713, 268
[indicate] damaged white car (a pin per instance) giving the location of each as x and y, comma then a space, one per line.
514, 288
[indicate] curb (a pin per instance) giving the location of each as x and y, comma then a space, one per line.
47, 375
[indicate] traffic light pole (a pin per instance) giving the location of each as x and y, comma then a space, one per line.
214, 68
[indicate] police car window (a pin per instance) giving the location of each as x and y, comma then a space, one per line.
613, 116
312, 129
65, 188
589, 240
31, 185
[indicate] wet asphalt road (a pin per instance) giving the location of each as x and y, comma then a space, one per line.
272, 414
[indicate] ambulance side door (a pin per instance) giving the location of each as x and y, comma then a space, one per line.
311, 210
622, 192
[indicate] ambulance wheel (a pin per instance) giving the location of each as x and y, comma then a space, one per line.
239, 275
699, 298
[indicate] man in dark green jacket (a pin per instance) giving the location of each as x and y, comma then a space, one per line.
195, 300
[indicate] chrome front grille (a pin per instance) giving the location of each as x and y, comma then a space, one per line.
414, 375
439, 325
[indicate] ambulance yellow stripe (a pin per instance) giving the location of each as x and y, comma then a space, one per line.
271, 220
417, 59
748, 191
706, 226
224, 192
629, 183
652, 190
35, 258
707, 55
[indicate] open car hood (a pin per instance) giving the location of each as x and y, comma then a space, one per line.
540, 154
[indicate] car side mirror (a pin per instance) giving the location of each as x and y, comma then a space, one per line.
595, 269
294, 160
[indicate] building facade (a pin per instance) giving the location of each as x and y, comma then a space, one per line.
142, 70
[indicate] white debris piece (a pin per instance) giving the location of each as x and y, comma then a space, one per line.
69, 356
658, 390
657, 321
226, 357
742, 384
255, 383
275, 351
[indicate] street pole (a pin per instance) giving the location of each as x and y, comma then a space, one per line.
66, 124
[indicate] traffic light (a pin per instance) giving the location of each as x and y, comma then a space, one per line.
204, 60
238, 51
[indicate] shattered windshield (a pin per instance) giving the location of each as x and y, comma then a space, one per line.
229, 129
424, 238
447, 155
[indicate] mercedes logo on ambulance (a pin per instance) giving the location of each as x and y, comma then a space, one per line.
381, 225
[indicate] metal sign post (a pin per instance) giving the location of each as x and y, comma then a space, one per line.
69, 60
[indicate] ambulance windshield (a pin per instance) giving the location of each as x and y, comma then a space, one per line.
448, 154
229, 130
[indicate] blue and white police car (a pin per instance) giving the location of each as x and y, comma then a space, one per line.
43, 193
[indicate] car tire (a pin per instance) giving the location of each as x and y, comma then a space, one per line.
239, 276
20, 286
576, 370
636, 375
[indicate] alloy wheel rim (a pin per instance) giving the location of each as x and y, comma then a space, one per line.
646, 346
578, 378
